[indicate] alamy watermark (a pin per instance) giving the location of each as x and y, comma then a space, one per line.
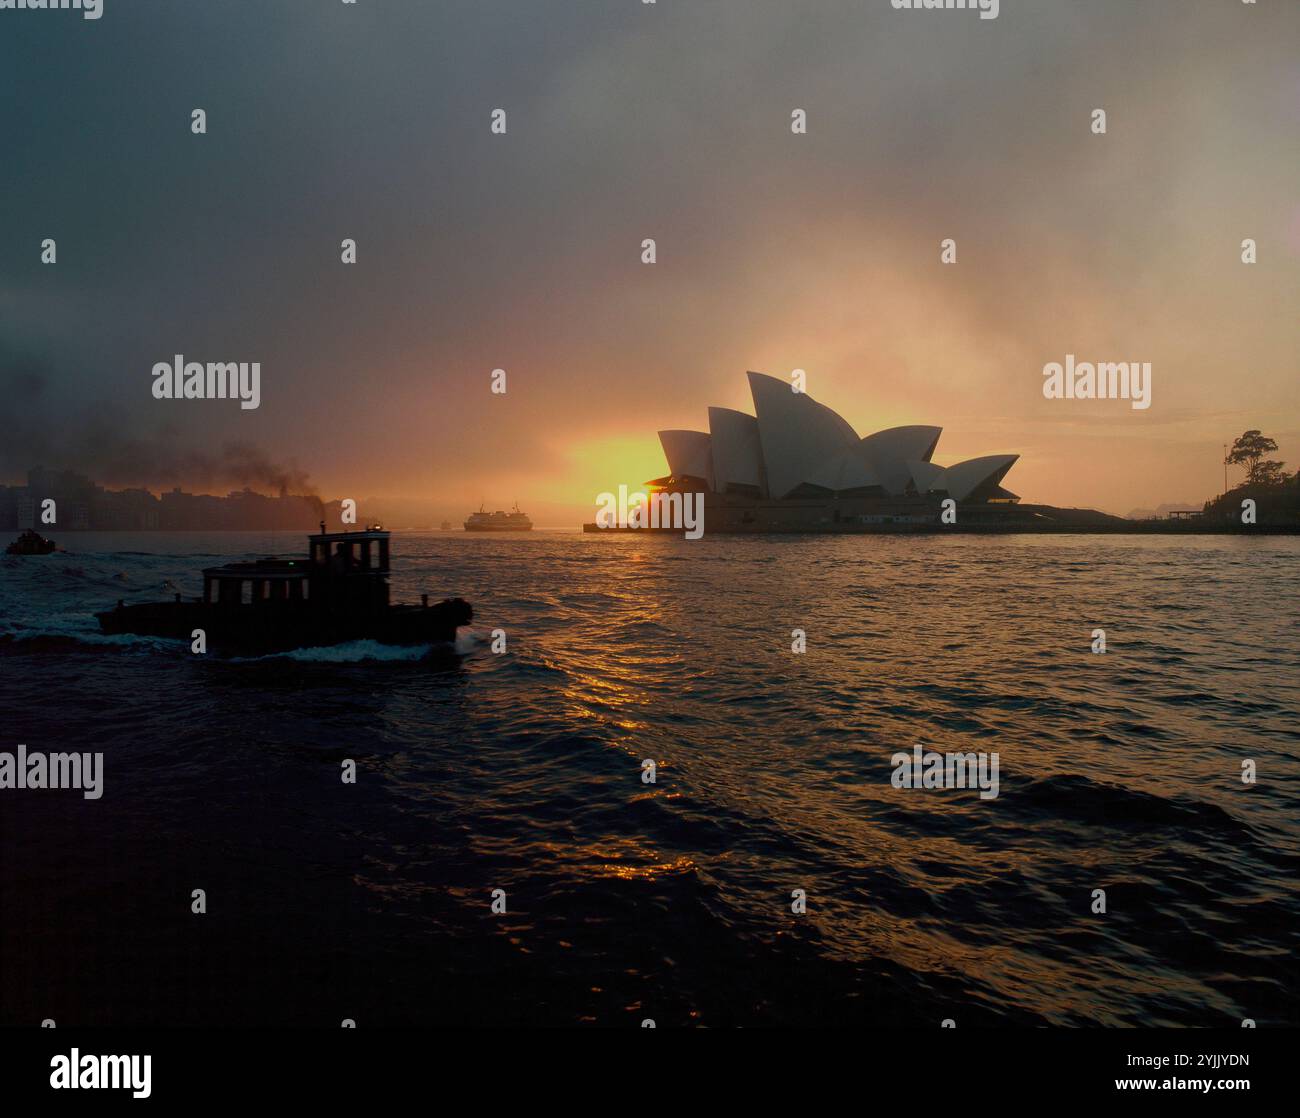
1106, 380
663, 511
87, 1072
927, 769
84, 771
988, 9
217, 380
90, 9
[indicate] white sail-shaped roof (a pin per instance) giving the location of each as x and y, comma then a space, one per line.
737, 453
962, 479
799, 436
844, 471
924, 475
891, 450
795, 446
689, 454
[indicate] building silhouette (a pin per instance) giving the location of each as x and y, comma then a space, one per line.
81, 505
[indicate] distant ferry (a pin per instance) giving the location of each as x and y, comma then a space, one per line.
498, 521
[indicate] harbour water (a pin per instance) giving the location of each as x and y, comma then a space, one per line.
522, 771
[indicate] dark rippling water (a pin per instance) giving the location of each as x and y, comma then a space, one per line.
671, 901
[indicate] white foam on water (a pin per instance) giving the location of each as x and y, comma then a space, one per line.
349, 652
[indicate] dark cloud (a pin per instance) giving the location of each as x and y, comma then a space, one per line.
626, 121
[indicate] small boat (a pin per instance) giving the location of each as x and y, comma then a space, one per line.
445, 526
498, 521
31, 543
338, 593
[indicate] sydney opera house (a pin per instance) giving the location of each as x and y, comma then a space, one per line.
797, 465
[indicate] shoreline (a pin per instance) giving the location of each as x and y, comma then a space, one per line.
1155, 529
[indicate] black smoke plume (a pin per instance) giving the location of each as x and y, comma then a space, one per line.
102, 442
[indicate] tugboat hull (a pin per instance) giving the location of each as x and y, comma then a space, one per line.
269, 627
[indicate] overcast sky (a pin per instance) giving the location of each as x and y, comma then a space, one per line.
626, 121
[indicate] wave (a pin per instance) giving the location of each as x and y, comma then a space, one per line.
1077, 798
29, 641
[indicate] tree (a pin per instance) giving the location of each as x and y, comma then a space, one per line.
1249, 451
1269, 474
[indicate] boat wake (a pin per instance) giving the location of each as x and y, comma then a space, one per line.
349, 652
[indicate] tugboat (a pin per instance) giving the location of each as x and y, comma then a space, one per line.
498, 521
338, 593
31, 543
